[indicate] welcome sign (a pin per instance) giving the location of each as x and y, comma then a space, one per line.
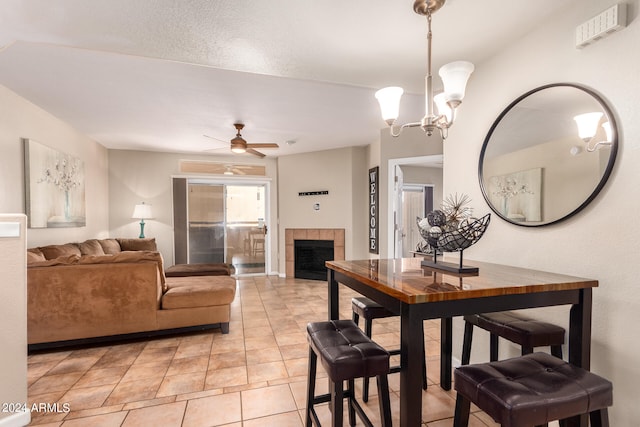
373, 210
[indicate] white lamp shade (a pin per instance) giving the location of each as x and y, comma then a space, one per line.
455, 75
587, 124
142, 211
389, 99
442, 106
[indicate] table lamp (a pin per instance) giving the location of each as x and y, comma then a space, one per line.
142, 212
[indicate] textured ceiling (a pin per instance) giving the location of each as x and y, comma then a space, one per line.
159, 74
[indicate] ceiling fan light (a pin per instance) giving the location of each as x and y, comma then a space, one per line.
455, 75
238, 145
389, 100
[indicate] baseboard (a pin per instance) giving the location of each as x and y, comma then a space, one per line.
18, 419
455, 362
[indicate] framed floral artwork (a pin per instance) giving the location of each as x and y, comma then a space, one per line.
518, 195
54, 186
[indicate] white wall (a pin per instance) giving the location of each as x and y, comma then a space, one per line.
343, 173
13, 328
602, 241
142, 176
21, 119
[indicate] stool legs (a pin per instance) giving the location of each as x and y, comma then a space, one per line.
336, 397
466, 343
385, 403
493, 347
599, 418
556, 350
311, 387
368, 326
461, 414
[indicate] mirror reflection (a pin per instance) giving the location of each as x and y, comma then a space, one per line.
547, 155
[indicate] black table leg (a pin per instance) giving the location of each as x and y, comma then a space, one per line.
446, 344
411, 361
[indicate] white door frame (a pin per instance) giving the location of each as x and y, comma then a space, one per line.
393, 194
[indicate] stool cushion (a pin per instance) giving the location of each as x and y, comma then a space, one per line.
369, 309
345, 351
519, 329
532, 389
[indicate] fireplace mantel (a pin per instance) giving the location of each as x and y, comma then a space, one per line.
292, 234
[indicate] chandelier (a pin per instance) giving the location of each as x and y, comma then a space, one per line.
454, 77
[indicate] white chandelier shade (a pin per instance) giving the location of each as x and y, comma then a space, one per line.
454, 77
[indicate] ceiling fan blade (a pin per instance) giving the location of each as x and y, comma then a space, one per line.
263, 145
255, 153
238, 171
217, 139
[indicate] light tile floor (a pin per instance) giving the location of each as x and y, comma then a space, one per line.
254, 376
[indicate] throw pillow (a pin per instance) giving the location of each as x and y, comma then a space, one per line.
148, 244
35, 255
91, 247
110, 246
57, 251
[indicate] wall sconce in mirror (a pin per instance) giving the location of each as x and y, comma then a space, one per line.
588, 130
534, 168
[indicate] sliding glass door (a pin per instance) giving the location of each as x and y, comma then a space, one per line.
218, 222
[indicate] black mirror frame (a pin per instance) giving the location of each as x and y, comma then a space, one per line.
605, 175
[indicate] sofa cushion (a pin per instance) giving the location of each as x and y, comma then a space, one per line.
91, 247
128, 257
198, 291
148, 244
35, 255
110, 246
57, 251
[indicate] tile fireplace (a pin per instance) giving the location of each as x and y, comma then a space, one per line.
322, 235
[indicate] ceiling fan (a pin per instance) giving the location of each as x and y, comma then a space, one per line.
239, 144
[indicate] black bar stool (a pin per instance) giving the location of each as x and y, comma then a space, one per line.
346, 353
369, 310
526, 332
531, 390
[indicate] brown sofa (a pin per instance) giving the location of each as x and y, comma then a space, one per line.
101, 288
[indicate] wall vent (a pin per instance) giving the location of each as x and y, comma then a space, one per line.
605, 23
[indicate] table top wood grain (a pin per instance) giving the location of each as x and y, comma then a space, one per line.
406, 280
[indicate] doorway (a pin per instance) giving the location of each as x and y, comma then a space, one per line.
218, 222
417, 200
416, 185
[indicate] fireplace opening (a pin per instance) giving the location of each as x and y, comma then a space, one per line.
310, 256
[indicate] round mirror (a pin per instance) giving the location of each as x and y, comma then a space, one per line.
548, 155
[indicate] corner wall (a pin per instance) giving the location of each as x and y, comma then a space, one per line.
21, 119
343, 172
600, 242
13, 329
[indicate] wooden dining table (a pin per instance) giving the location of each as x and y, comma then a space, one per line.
417, 293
